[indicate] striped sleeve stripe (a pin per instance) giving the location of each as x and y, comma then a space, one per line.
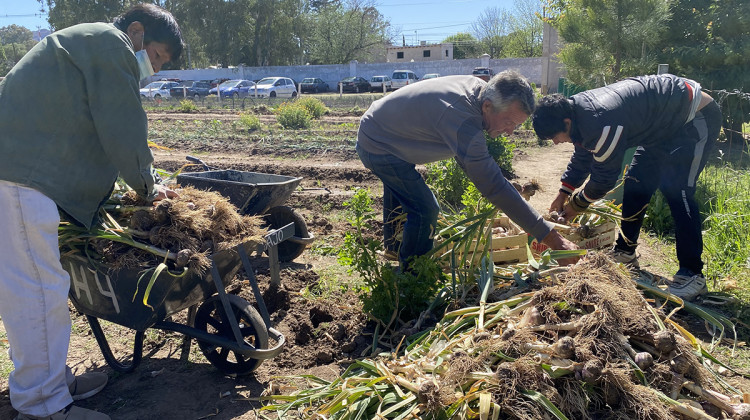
567, 187
585, 197
612, 145
602, 139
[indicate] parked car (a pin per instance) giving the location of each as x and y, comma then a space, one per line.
430, 76
190, 89
402, 78
313, 84
234, 89
272, 87
376, 83
354, 84
484, 73
158, 89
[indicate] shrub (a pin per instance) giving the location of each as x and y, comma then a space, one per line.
291, 115
249, 122
314, 106
448, 180
186, 105
386, 292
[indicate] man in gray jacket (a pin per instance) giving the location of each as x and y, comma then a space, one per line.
672, 123
440, 119
72, 121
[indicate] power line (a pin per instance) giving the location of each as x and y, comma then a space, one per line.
23, 16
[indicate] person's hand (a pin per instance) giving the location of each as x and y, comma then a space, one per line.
559, 203
568, 213
555, 240
163, 192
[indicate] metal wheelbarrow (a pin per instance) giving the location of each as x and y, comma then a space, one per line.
255, 193
230, 332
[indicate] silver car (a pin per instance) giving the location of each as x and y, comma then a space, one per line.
272, 87
377, 82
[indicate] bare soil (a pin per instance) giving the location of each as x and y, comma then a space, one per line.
323, 335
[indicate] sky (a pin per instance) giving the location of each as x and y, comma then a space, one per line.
412, 20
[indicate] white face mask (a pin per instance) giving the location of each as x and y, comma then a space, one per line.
144, 63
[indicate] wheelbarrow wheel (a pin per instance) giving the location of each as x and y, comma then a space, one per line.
280, 216
210, 318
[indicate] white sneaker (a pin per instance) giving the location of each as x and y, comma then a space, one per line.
628, 259
70, 412
687, 287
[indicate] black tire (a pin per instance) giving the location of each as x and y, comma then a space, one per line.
294, 94
197, 97
210, 318
157, 96
235, 95
280, 216
272, 95
315, 90
356, 89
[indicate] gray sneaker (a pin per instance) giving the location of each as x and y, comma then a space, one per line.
87, 385
687, 286
70, 412
629, 259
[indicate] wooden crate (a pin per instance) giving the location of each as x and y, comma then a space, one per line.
597, 237
510, 248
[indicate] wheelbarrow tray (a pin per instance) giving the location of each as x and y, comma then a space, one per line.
253, 193
111, 294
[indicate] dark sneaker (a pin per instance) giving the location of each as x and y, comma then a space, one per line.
687, 285
87, 385
629, 259
70, 412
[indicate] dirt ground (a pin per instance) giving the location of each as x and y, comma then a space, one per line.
322, 335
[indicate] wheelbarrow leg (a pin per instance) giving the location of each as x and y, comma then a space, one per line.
115, 364
186, 340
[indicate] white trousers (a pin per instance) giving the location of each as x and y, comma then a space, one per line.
34, 301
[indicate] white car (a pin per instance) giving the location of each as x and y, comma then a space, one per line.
376, 83
156, 90
272, 87
430, 76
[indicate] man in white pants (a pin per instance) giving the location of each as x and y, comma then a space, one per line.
87, 128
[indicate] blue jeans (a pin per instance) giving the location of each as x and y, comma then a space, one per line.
404, 192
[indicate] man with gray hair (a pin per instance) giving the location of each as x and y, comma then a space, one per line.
438, 119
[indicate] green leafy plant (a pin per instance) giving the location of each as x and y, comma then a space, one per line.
249, 122
448, 180
293, 116
186, 105
314, 106
388, 294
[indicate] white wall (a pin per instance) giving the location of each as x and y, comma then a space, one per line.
529, 67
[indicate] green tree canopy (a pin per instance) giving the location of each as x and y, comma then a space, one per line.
709, 41
464, 45
606, 40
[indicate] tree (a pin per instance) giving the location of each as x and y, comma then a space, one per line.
709, 41
346, 31
464, 45
15, 34
526, 27
490, 28
606, 40
15, 42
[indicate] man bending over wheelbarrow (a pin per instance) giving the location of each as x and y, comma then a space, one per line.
440, 119
72, 121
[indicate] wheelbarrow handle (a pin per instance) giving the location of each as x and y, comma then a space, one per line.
198, 161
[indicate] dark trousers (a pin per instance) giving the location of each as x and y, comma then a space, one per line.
673, 168
404, 192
